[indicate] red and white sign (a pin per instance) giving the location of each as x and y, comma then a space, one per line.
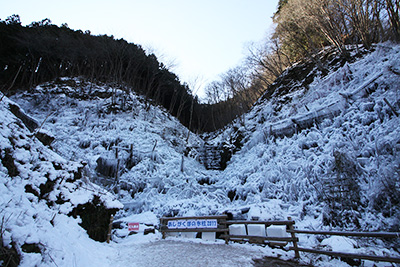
133, 227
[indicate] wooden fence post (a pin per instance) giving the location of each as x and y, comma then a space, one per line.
223, 222
109, 229
162, 226
296, 252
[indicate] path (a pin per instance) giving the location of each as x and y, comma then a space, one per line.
185, 253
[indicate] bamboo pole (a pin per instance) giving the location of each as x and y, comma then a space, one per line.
199, 230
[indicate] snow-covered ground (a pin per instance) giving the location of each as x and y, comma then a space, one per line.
269, 178
174, 252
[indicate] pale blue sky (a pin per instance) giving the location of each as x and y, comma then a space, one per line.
205, 38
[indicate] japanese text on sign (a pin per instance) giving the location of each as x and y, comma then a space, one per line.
192, 224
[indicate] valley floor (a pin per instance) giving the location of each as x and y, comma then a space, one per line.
180, 253
151, 250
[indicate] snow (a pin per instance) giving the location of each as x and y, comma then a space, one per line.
340, 244
270, 178
185, 252
147, 217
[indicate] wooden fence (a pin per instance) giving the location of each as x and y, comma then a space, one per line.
343, 254
222, 226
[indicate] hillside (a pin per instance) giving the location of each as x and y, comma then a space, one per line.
42, 195
328, 150
91, 126
324, 149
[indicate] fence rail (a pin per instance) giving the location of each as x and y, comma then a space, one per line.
266, 223
347, 255
266, 238
341, 233
199, 230
223, 226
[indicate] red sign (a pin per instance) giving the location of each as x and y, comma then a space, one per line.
133, 227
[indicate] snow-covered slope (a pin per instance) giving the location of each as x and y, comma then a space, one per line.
343, 169
327, 154
41, 193
152, 174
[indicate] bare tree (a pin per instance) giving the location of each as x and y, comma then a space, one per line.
267, 62
363, 16
324, 15
297, 36
214, 92
302, 23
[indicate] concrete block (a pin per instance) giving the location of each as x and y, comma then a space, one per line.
237, 229
256, 229
277, 231
189, 234
208, 236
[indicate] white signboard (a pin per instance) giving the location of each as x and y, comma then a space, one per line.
192, 224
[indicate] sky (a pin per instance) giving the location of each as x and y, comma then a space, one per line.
198, 40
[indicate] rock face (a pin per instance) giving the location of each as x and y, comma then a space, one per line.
210, 157
95, 218
215, 156
9, 256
